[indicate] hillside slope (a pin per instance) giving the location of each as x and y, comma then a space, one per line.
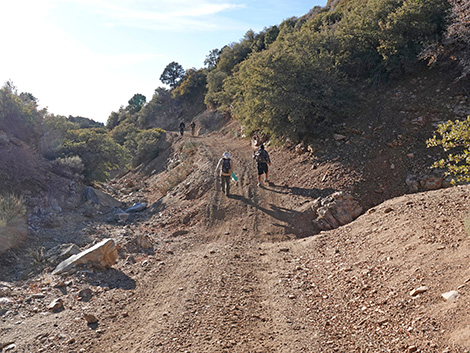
202, 272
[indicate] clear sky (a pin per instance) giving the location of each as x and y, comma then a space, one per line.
89, 57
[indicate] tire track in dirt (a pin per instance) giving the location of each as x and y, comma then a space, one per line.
219, 294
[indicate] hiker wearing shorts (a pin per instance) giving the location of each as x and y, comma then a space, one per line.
226, 169
262, 159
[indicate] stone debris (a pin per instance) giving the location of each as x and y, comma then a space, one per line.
99, 198
335, 210
137, 207
56, 305
85, 294
102, 255
450, 296
418, 290
90, 319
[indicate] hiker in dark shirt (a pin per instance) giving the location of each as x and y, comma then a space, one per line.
262, 160
193, 127
225, 172
182, 126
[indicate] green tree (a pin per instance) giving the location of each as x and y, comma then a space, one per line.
215, 95
290, 90
19, 114
99, 152
271, 35
212, 59
136, 103
172, 74
454, 138
113, 121
56, 127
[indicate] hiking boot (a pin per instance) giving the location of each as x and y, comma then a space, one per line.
259, 183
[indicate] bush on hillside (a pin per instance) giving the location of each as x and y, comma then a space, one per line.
454, 138
455, 43
19, 114
99, 152
12, 222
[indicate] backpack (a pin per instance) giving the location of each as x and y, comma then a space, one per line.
225, 166
260, 156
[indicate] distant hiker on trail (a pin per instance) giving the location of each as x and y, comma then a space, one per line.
225, 172
182, 126
262, 159
193, 127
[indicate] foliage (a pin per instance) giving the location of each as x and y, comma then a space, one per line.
455, 42
159, 110
215, 96
73, 164
99, 152
212, 59
172, 74
56, 128
406, 28
286, 92
136, 103
84, 123
147, 146
454, 138
12, 211
301, 81
19, 114
192, 87
141, 144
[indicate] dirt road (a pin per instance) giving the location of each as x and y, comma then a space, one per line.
247, 278
202, 272
221, 292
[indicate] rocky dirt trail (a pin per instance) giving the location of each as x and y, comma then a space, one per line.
248, 273
251, 279
220, 293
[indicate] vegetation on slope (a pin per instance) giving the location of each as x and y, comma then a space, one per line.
294, 80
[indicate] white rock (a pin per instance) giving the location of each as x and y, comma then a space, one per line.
450, 296
419, 290
101, 255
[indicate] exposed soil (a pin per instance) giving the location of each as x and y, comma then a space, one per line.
243, 274
202, 272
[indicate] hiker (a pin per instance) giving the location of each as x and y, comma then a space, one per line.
193, 127
262, 160
225, 172
182, 126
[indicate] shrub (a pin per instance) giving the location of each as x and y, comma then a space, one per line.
454, 138
12, 222
12, 211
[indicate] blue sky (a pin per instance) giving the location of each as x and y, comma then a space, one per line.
89, 57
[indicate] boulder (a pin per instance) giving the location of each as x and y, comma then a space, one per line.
137, 207
61, 252
99, 198
431, 182
336, 210
101, 255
